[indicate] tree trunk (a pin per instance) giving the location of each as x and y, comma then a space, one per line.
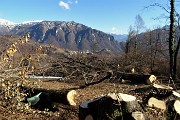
137, 78
175, 60
111, 106
171, 38
60, 96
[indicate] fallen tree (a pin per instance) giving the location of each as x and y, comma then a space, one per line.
137, 78
59, 96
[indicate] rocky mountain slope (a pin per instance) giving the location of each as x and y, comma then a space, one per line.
68, 35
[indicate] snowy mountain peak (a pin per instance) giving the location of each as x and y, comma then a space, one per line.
31, 22
6, 22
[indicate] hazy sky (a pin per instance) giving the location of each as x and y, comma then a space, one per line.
105, 15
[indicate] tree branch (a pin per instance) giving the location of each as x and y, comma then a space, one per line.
157, 5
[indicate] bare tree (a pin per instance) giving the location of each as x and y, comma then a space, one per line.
139, 26
139, 23
131, 35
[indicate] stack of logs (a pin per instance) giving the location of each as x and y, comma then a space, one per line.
127, 107
119, 105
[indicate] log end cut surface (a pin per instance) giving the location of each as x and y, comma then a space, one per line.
177, 106
153, 102
71, 97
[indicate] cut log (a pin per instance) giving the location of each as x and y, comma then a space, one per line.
167, 91
152, 79
177, 106
160, 92
122, 97
138, 78
158, 86
40, 101
59, 96
176, 94
154, 102
71, 97
89, 117
163, 97
173, 112
111, 106
128, 102
84, 111
138, 116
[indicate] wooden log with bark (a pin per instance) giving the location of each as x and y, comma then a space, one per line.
173, 110
157, 96
111, 106
138, 116
137, 78
154, 102
177, 106
165, 98
59, 96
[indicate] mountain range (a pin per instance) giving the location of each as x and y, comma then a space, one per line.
68, 35
120, 37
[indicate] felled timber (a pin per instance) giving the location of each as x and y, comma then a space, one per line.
40, 101
137, 78
59, 96
173, 112
165, 98
177, 106
176, 95
111, 106
138, 116
157, 91
154, 102
157, 96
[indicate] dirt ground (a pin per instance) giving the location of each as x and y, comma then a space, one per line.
66, 112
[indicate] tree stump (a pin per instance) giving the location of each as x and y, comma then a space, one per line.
111, 106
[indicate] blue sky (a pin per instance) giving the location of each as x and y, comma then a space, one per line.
106, 15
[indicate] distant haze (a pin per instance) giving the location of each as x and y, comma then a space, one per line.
120, 37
